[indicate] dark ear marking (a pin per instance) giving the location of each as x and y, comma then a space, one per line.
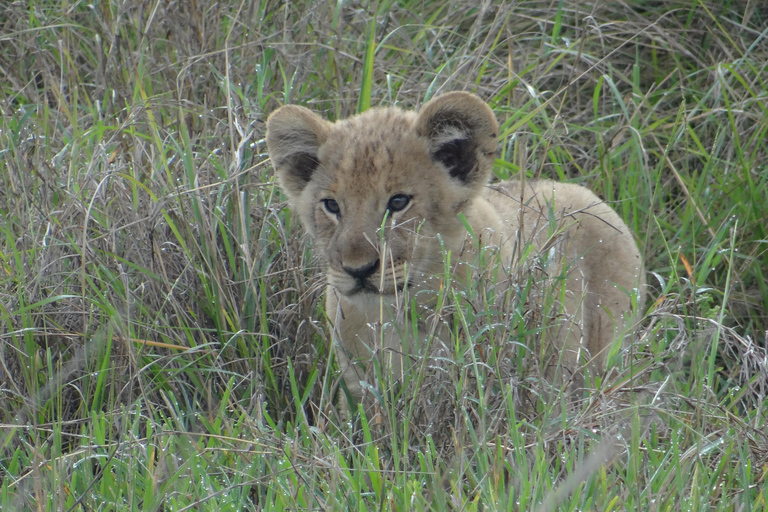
452, 143
303, 165
295, 152
294, 137
461, 132
458, 156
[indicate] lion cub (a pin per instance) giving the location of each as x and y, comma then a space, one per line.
387, 196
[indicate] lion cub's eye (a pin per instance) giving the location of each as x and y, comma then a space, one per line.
398, 202
331, 206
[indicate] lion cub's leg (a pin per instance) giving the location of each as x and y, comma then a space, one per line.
570, 335
369, 349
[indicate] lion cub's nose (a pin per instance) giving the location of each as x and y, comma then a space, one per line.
364, 271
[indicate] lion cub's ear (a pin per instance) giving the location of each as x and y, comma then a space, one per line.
462, 133
294, 136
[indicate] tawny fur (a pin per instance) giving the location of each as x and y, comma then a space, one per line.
440, 159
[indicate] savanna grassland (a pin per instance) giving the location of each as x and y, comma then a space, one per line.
163, 338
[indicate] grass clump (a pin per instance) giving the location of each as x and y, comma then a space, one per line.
163, 343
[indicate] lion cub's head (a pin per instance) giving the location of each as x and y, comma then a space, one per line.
375, 190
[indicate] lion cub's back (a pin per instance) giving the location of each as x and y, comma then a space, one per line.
604, 246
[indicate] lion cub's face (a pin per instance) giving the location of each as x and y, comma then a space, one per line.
374, 191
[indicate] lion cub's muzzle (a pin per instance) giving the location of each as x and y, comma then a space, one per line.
369, 278
364, 272
362, 275
366, 261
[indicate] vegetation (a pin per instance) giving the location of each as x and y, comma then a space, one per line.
163, 338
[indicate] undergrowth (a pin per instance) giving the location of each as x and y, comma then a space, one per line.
164, 345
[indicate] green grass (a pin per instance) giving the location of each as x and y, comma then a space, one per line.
163, 337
